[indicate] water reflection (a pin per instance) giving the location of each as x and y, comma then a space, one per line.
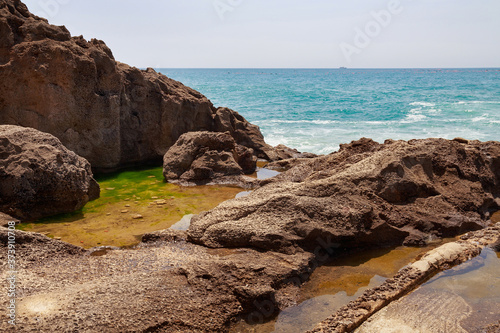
184, 223
477, 282
462, 299
263, 173
307, 314
335, 284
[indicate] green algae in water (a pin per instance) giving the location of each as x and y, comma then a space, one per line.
132, 203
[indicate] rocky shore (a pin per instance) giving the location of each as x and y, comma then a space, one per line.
168, 284
200, 158
248, 257
367, 194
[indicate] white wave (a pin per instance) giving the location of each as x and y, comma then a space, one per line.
480, 118
424, 104
476, 102
281, 121
412, 118
416, 111
378, 122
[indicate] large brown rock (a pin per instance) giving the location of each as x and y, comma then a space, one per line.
208, 157
108, 112
39, 176
367, 194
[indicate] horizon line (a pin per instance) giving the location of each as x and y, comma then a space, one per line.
497, 68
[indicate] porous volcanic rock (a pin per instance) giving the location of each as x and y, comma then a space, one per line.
39, 176
367, 194
208, 157
106, 111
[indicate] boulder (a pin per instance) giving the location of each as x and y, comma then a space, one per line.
39, 176
283, 152
110, 113
208, 157
367, 194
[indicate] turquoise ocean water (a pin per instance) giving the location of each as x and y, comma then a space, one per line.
315, 110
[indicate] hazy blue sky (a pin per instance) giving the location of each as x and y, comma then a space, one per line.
287, 33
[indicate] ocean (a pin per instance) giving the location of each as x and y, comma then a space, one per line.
316, 110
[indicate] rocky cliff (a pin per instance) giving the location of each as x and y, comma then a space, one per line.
106, 111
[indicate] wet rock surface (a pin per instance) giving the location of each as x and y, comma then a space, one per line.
110, 113
367, 194
39, 177
199, 158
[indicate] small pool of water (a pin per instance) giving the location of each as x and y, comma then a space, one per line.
132, 203
335, 284
184, 223
263, 173
495, 218
475, 284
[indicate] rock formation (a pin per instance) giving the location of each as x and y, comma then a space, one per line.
156, 287
106, 111
39, 176
208, 157
367, 194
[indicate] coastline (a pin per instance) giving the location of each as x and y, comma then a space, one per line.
68, 107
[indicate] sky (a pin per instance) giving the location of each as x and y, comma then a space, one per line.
286, 33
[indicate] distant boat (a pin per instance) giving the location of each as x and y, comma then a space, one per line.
342, 67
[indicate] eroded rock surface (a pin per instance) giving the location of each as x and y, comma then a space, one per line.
106, 111
367, 194
158, 287
208, 157
39, 176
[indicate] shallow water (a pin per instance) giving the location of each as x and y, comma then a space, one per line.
335, 284
495, 218
114, 219
133, 203
463, 299
263, 173
184, 223
476, 283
